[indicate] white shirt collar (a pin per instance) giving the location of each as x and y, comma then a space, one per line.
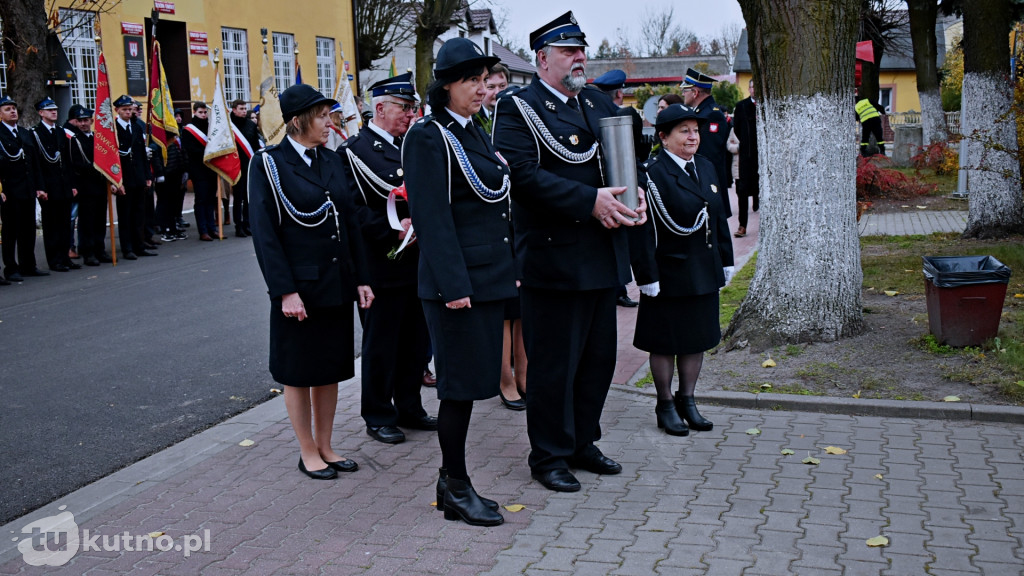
557, 94
11, 127
49, 126
382, 133
123, 124
682, 163
301, 150
462, 120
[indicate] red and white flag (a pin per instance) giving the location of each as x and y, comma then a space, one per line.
106, 158
220, 154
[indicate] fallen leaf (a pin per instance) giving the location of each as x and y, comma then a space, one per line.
246, 442
155, 534
434, 504
857, 395
905, 206
951, 399
786, 452
877, 541
753, 431
891, 292
879, 476
769, 363
275, 390
766, 386
515, 507
1018, 295
922, 207
811, 460
834, 450
910, 270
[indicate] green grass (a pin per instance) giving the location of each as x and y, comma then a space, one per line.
731, 296
648, 379
945, 185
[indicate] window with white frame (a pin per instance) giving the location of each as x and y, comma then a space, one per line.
325, 66
77, 38
284, 60
235, 54
3, 65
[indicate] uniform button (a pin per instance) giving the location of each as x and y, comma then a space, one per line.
498, 166
549, 239
334, 236
503, 215
505, 240
334, 260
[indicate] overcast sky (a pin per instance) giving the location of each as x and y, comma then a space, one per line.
602, 18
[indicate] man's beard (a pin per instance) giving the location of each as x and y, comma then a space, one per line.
574, 83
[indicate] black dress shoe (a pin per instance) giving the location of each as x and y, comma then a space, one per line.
325, 474
129, 256
149, 246
627, 302
346, 465
558, 480
593, 461
92, 261
669, 419
424, 422
687, 408
37, 272
145, 253
516, 405
105, 258
442, 485
73, 265
386, 434
58, 268
15, 277
461, 502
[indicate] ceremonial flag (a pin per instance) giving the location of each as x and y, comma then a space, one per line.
106, 158
271, 120
162, 125
298, 70
220, 154
349, 111
392, 72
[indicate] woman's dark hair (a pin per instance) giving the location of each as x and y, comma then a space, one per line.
671, 98
437, 96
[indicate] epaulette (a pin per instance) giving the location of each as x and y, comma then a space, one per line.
270, 147
510, 91
350, 140
651, 161
425, 119
592, 87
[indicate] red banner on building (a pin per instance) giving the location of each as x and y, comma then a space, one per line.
132, 29
197, 37
105, 153
198, 49
163, 7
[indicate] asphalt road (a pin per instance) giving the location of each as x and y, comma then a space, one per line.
101, 367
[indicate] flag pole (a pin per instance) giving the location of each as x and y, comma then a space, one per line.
220, 180
110, 187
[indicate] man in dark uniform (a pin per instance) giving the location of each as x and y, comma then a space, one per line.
55, 185
137, 178
748, 184
247, 144
714, 131
394, 330
573, 252
92, 188
18, 197
204, 180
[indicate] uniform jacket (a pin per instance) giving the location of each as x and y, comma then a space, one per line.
194, 152
17, 175
89, 181
714, 133
465, 242
134, 163
251, 134
684, 265
323, 266
745, 124
385, 161
54, 173
559, 244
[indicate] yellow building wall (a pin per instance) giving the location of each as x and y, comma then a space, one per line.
902, 82
305, 20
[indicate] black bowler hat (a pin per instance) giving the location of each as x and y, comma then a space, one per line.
301, 97
611, 80
562, 31
124, 100
460, 54
674, 114
399, 86
7, 101
78, 112
695, 78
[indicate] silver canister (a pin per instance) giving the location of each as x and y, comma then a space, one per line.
620, 157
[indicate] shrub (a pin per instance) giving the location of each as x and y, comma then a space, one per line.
877, 179
939, 157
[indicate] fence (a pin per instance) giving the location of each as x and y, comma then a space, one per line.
914, 117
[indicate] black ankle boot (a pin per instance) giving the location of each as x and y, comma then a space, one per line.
669, 419
461, 502
687, 408
442, 483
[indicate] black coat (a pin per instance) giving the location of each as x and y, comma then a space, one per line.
251, 134
54, 172
198, 171
465, 242
684, 265
134, 162
89, 181
714, 134
745, 125
560, 245
323, 266
384, 160
16, 158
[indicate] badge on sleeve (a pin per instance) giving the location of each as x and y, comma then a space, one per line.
713, 127
714, 189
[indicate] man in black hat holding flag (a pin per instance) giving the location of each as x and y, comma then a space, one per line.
572, 250
92, 188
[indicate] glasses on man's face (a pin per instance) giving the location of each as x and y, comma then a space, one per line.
404, 106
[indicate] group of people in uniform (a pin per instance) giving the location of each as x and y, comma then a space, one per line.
494, 206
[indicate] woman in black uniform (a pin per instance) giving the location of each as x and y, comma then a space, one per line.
310, 251
458, 199
685, 259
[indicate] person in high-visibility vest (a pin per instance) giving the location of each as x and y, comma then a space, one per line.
870, 117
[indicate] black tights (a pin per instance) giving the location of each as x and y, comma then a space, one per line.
689, 369
452, 426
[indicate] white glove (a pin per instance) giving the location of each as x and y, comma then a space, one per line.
149, 153
729, 271
160, 179
652, 289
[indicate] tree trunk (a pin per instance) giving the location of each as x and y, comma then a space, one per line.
28, 59
922, 15
424, 60
989, 123
807, 285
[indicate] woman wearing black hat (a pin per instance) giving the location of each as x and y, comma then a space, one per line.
310, 251
458, 198
685, 259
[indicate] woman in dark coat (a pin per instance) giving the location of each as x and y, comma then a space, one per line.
686, 257
310, 251
458, 198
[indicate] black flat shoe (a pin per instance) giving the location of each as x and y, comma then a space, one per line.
386, 434
516, 405
424, 422
346, 465
687, 408
594, 461
129, 256
442, 485
92, 261
37, 272
669, 419
325, 474
558, 480
626, 302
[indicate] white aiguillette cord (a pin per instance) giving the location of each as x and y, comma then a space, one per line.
396, 223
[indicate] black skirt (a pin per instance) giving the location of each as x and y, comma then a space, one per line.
467, 348
318, 351
677, 325
513, 309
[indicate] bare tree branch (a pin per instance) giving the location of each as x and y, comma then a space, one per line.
383, 24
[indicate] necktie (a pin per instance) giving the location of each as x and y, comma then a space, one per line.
691, 171
474, 132
314, 163
573, 103
398, 142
